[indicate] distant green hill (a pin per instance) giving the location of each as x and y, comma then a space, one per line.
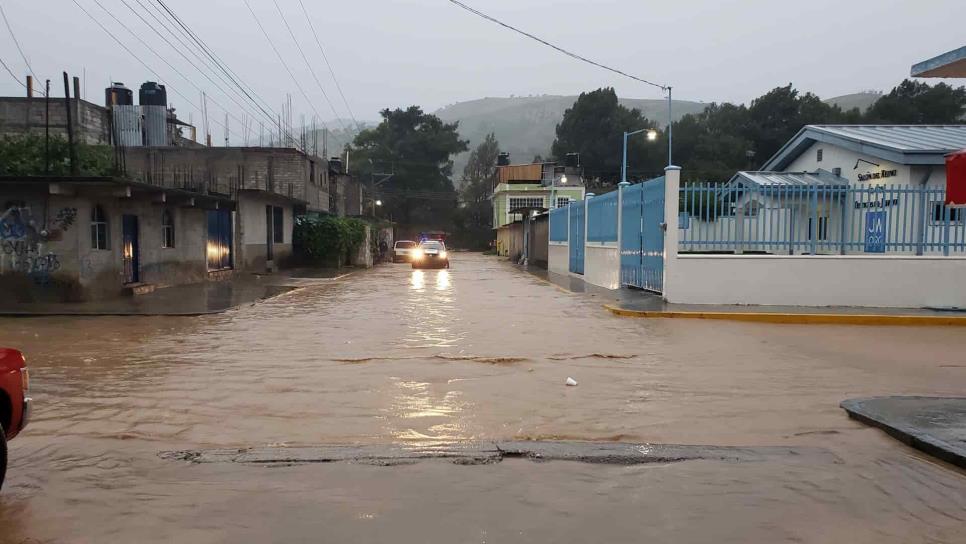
863, 100
526, 125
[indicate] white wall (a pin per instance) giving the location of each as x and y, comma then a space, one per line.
886, 281
602, 265
559, 258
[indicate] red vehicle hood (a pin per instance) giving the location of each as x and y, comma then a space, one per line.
10, 359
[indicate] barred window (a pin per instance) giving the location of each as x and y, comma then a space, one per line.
563, 201
100, 238
167, 229
526, 202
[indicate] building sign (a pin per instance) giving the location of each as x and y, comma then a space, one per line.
875, 232
868, 176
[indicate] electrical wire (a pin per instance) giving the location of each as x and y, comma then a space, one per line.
556, 47
13, 75
282, 59
146, 66
203, 72
331, 71
22, 55
249, 92
307, 63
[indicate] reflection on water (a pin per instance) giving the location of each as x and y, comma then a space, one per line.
478, 353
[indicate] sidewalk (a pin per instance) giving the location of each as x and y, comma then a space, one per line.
638, 303
935, 425
194, 299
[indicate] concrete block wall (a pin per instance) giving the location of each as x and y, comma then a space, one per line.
21, 114
558, 258
602, 265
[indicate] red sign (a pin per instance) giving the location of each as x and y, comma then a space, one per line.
956, 179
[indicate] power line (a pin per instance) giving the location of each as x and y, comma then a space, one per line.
169, 14
203, 72
126, 48
13, 75
20, 49
307, 63
331, 71
556, 47
282, 59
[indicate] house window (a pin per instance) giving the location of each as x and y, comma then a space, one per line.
563, 202
526, 202
940, 212
278, 225
822, 228
818, 155
167, 229
752, 208
99, 229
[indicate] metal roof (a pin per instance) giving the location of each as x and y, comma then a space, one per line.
901, 144
820, 178
951, 64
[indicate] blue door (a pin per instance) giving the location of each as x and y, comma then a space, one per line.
652, 235
576, 211
642, 235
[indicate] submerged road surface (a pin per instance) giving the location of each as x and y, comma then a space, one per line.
467, 359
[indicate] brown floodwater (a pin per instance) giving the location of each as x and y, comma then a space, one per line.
478, 352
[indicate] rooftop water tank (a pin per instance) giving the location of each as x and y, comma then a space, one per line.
153, 94
118, 95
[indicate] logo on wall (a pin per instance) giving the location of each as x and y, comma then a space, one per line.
875, 231
878, 175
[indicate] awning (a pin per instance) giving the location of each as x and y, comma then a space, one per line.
956, 179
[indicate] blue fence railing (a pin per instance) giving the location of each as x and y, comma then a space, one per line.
819, 219
558, 225
602, 218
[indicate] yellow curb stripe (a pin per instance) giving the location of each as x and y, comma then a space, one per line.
807, 319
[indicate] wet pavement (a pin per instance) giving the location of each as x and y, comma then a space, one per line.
393, 358
192, 299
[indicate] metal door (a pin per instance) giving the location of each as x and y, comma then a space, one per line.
576, 211
131, 249
269, 233
642, 235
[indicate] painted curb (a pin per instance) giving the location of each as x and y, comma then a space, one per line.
800, 319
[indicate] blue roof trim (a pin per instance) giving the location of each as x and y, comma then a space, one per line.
868, 145
940, 61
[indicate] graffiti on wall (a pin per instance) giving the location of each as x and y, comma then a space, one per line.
22, 240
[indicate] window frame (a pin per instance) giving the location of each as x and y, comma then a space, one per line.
168, 240
100, 224
956, 215
278, 225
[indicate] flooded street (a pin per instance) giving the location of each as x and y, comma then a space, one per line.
393, 356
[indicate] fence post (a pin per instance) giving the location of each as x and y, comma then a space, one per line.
921, 221
672, 190
813, 222
846, 216
620, 228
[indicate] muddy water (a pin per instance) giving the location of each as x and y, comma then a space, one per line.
477, 352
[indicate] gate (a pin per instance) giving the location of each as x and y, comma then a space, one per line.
576, 211
642, 235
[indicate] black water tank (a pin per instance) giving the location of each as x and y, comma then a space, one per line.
503, 159
335, 165
572, 160
152, 94
118, 95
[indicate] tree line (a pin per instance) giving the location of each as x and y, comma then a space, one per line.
725, 138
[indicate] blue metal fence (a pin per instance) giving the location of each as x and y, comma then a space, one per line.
558, 224
602, 218
642, 237
576, 210
820, 220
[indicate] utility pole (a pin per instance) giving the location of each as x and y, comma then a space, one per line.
70, 127
47, 128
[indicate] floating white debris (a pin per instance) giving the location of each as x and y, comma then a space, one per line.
571, 382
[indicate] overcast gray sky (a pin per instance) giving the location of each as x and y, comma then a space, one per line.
428, 52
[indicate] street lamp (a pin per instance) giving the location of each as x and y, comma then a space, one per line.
651, 136
378, 203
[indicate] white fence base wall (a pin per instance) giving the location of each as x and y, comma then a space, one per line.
887, 281
558, 258
602, 265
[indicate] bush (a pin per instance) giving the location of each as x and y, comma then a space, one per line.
327, 240
24, 155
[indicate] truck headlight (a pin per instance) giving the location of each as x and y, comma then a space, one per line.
442, 254
417, 254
